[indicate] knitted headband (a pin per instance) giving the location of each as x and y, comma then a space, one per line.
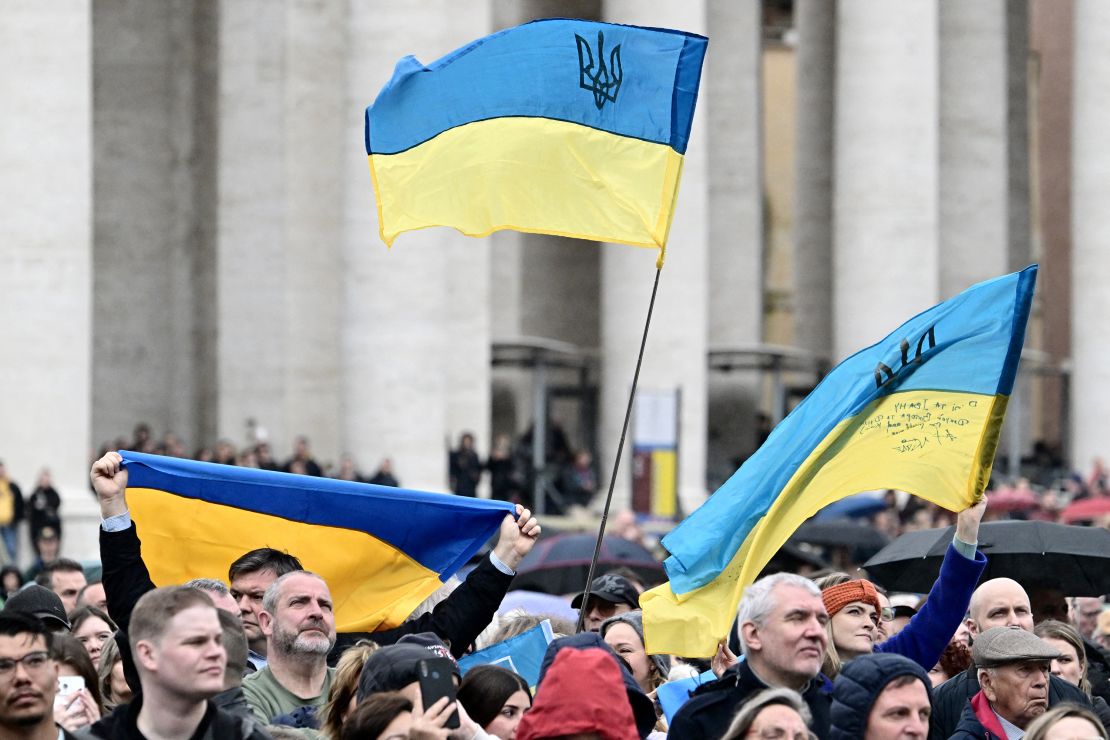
838, 597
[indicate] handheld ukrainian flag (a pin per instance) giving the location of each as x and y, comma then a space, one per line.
381, 550
564, 127
920, 412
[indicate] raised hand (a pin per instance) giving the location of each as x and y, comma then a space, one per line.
518, 537
109, 480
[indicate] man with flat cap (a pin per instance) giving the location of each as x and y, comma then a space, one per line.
1013, 666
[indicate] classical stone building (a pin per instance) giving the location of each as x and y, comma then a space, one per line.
190, 238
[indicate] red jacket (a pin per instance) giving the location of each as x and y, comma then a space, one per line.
581, 692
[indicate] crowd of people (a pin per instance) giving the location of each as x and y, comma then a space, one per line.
509, 465
825, 655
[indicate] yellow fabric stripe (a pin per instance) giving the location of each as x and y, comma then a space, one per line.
938, 445
186, 538
530, 174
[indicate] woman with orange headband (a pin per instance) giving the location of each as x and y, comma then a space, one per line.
855, 609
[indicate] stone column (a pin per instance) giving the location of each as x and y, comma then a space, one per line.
1051, 37
813, 187
281, 124
732, 106
676, 349
974, 163
153, 167
316, 118
885, 263
399, 360
1090, 303
45, 280
251, 268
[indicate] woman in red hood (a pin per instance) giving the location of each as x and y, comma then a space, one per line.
582, 695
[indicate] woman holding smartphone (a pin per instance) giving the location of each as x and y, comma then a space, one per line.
77, 703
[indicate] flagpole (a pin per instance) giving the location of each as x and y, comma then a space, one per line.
620, 449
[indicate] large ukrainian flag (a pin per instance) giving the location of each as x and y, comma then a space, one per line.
382, 550
920, 412
563, 127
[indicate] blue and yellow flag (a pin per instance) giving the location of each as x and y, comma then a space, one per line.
522, 654
920, 412
381, 550
564, 127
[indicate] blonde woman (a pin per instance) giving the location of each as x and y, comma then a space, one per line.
343, 695
113, 686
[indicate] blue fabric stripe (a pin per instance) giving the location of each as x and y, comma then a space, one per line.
440, 531
533, 70
1024, 291
686, 84
978, 336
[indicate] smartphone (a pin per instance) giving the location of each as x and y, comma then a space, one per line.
437, 680
67, 687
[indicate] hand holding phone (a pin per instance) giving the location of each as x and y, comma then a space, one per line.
437, 681
67, 686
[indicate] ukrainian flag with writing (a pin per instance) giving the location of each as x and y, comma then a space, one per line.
920, 412
381, 550
559, 126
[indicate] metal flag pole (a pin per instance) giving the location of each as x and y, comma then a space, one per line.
620, 449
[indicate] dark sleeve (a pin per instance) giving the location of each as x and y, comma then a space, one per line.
931, 629
458, 619
948, 704
126, 579
1102, 711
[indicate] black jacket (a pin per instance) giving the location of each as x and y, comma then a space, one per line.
1098, 669
458, 619
712, 707
216, 725
970, 728
950, 698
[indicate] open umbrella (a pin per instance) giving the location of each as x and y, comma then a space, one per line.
858, 505
1074, 559
841, 533
559, 564
1083, 510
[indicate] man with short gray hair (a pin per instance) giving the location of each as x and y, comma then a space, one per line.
781, 621
220, 594
1013, 667
298, 621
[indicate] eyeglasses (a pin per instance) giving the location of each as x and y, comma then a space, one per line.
31, 662
887, 614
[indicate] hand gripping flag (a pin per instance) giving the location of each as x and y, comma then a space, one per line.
920, 412
564, 127
381, 550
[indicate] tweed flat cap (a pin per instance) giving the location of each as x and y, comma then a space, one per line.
1003, 645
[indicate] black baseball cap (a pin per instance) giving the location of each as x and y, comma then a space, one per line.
612, 588
41, 602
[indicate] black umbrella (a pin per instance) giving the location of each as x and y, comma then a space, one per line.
559, 564
1075, 560
841, 533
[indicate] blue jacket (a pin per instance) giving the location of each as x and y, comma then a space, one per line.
931, 629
